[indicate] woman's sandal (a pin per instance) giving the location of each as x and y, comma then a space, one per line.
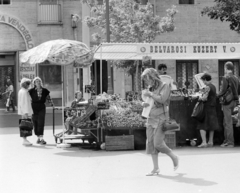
176, 165
152, 173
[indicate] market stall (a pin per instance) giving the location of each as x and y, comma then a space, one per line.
61, 52
207, 54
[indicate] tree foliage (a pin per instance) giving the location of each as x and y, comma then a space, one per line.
129, 22
225, 10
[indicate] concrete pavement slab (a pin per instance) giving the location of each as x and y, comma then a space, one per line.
50, 169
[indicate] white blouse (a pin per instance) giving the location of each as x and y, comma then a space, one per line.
24, 102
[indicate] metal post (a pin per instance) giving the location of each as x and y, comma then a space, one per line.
110, 86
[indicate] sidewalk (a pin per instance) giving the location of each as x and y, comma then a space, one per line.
10, 119
49, 169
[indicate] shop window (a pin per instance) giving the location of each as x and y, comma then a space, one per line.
49, 12
221, 69
186, 1
51, 76
185, 74
5, 2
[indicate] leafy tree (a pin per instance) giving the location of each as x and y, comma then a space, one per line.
225, 10
129, 22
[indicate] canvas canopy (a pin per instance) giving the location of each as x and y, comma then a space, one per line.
165, 51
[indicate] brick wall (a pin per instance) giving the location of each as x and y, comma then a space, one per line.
192, 27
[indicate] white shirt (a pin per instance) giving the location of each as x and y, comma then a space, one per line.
24, 102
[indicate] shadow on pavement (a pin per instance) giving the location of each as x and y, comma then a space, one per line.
195, 181
76, 152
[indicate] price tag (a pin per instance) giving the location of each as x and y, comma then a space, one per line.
103, 106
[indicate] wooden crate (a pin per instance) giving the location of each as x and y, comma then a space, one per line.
124, 142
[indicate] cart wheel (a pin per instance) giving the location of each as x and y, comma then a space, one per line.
61, 141
56, 140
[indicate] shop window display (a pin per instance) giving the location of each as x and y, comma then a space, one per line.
185, 74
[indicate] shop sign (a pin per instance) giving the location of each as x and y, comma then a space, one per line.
17, 24
27, 71
205, 50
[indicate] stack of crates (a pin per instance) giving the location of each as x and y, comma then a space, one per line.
170, 139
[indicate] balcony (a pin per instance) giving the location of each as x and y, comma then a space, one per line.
49, 14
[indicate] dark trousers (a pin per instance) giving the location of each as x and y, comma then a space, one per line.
39, 121
11, 104
227, 122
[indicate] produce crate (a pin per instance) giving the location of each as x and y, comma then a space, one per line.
170, 139
124, 142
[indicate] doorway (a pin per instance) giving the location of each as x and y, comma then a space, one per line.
7, 70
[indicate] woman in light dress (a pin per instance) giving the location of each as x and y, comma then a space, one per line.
24, 104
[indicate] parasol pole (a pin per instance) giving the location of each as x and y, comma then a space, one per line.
101, 70
63, 145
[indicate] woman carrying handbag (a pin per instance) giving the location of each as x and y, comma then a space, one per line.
210, 121
160, 93
24, 108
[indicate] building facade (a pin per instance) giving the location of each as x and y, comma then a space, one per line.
192, 27
25, 24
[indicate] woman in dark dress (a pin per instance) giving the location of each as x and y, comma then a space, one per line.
39, 96
210, 122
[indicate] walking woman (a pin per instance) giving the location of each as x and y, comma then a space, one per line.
210, 122
24, 104
160, 93
39, 96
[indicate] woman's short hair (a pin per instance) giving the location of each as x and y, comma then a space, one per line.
206, 77
38, 78
229, 66
76, 93
160, 66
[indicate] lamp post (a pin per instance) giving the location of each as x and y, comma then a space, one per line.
110, 86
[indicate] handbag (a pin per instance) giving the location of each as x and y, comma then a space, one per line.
170, 124
26, 127
25, 124
227, 97
198, 111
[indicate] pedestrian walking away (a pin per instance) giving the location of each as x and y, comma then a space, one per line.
39, 96
160, 94
210, 122
24, 104
229, 81
10, 95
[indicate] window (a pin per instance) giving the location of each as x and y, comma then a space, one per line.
221, 69
49, 12
185, 74
4, 2
186, 1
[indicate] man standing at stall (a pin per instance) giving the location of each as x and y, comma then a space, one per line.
228, 80
162, 70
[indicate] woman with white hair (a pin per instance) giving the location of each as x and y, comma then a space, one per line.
160, 93
39, 95
24, 104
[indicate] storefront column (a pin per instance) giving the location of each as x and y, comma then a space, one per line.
86, 40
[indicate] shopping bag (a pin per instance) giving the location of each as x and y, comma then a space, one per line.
25, 127
8, 102
198, 111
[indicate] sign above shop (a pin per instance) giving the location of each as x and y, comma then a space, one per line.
17, 24
165, 51
193, 50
